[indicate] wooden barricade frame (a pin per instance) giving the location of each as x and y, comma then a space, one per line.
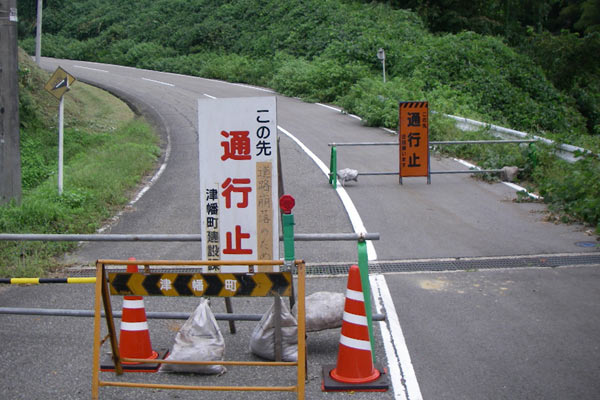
102, 296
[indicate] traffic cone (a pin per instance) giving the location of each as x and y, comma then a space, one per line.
354, 370
134, 339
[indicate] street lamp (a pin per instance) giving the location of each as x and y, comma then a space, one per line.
381, 57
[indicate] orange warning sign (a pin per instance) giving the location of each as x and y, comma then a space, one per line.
413, 136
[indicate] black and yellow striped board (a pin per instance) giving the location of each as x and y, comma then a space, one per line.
260, 284
39, 281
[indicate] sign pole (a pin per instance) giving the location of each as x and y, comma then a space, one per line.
60, 82
38, 34
61, 112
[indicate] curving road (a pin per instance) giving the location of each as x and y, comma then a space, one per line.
455, 216
486, 333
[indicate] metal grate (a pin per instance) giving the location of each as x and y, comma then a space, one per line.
442, 264
460, 264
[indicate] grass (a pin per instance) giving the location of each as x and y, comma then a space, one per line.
107, 152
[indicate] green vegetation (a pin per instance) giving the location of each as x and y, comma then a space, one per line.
107, 151
500, 62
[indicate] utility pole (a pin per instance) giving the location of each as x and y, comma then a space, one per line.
10, 155
38, 33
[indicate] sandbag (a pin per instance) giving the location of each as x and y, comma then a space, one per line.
199, 339
324, 310
262, 342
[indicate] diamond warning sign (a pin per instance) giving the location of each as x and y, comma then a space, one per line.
59, 83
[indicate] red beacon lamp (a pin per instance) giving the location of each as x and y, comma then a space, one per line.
287, 203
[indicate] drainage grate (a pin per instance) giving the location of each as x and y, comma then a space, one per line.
435, 265
461, 264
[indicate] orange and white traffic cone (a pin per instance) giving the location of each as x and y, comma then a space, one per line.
354, 370
134, 339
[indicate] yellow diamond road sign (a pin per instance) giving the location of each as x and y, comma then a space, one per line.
59, 83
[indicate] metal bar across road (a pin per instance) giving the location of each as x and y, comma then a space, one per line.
466, 171
483, 141
438, 142
60, 312
300, 237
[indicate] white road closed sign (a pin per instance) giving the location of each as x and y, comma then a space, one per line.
237, 140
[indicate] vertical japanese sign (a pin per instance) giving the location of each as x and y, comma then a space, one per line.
413, 134
238, 178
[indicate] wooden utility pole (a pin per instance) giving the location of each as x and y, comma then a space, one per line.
10, 156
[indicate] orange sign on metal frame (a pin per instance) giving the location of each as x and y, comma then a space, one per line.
413, 136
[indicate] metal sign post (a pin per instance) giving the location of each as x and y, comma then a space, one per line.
381, 57
61, 140
58, 84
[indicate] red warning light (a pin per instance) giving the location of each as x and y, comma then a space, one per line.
287, 202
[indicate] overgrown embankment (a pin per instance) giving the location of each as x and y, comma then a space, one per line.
107, 150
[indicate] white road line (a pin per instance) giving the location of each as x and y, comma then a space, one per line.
399, 362
159, 82
339, 110
509, 184
209, 96
355, 219
91, 69
330, 107
152, 181
251, 87
353, 116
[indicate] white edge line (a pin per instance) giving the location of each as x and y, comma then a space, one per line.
330, 107
252, 87
152, 181
399, 362
209, 96
353, 214
91, 69
352, 115
159, 82
509, 184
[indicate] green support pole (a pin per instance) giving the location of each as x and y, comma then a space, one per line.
288, 236
333, 168
363, 265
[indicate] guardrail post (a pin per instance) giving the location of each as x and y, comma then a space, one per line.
363, 265
333, 168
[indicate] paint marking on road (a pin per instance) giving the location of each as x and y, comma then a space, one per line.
209, 96
330, 107
352, 115
399, 362
91, 69
159, 82
152, 181
509, 184
355, 219
251, 87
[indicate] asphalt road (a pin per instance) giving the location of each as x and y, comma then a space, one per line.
474, 334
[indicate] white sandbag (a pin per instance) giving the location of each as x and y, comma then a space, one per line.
324, 310
262, 342
199, 339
